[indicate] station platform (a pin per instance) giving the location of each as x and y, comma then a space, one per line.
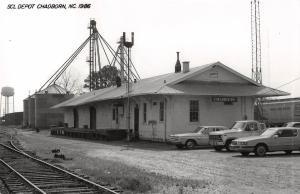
95, 134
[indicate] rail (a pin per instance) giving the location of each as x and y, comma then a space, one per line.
95, 185
23, 178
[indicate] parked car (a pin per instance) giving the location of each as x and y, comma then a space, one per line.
292, 124
198, 138
285, 139
223, 139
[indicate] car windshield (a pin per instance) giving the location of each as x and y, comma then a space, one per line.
238, 125
269, 132
199, 129
290, 125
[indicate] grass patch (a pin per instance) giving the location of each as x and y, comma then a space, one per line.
141, 184
129, 179
133, 180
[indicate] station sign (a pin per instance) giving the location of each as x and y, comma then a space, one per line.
224, 99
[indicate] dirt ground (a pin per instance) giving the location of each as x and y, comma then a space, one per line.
223, 172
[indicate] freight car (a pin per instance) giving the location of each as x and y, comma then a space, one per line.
280, 111
15, 118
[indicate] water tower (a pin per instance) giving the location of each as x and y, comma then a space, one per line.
7, 92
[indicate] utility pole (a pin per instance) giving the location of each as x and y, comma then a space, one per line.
256, 42
256, 52
128, 45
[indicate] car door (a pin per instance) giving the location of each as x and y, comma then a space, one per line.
285, 140
202, 138
297, 140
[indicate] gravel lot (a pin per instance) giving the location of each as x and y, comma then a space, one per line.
225, 172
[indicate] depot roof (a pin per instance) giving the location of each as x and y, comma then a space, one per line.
180, 84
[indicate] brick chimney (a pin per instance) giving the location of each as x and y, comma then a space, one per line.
177, 65
185, 66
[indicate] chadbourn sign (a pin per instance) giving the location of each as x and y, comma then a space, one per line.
224, 99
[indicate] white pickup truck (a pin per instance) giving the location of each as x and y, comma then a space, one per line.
223, 139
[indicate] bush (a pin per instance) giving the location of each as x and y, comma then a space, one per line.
135, 184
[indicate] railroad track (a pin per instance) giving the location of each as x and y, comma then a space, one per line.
21, 172
5, 137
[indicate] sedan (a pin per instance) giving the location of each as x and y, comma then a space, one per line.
285, 139
199, 137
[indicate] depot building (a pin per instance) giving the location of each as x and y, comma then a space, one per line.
178, 102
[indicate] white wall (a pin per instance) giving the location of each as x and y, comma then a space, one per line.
147, 130
68, 117
218, 74
83, 116
103, 115
210, 113
176, 118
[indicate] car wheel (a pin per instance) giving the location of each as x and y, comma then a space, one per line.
227, 145
218, 148
260, 150
245, 153
179, 146
288, 152
190, 144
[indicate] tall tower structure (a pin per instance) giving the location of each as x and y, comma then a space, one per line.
256, 42
128, 45
92, 60
121, 48
7, 92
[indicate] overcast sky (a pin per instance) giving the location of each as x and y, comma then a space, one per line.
34, 43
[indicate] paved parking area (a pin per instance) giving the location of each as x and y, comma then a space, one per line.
228, 172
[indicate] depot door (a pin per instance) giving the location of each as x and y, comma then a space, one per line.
136, 122
75, 117
92, 118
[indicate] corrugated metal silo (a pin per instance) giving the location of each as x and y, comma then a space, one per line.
25, 112
31, 112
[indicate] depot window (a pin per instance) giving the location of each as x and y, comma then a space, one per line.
194, 111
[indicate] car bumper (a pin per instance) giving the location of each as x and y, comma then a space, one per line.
172, 142
216, 143
241, 148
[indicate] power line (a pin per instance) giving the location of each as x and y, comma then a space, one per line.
289, 82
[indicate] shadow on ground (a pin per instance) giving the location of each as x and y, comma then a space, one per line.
271, 155
139, 144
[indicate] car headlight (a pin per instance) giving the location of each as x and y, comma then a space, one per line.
242, 143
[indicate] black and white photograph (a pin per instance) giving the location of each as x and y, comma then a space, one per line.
150, 97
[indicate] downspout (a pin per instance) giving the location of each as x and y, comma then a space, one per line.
242, 114
165, 116
245, 105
